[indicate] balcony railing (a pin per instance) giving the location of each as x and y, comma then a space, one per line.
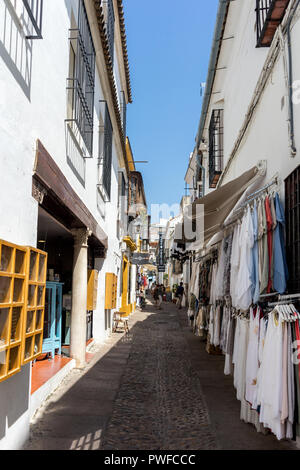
269, 14
34, 10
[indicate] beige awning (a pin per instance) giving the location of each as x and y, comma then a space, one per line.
217, 206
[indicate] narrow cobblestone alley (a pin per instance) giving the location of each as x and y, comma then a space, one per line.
154, 389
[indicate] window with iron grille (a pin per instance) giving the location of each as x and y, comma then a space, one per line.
269, 14
110, 25
292, 219
215, 147
81, 81
34, 10
105, 146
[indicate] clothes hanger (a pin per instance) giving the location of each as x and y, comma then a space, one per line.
295, 312
278, 310
286, 313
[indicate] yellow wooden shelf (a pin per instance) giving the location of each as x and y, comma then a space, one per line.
22, 281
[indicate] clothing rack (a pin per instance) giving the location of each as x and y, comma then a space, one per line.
206, 257
256, 193
269, 295
284, 299
251, 197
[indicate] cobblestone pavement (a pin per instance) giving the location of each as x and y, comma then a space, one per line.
160, 405
153, 389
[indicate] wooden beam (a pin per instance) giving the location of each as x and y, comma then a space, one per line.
55, 183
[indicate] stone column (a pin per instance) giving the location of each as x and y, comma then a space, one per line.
79, 296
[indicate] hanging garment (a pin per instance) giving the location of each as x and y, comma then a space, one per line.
252, 364
192, 280
211, 323
270, 378
217, 326
296, 357
227, 267
270, 242
255, 265
279, 259
274, 219
228, 351
219, 283
243, 280
212, 296
224, 328
260, 235
264, 252
235, 355
235, 263
241, 357
285, 405
291, 383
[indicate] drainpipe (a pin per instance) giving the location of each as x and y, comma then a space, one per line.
290, 82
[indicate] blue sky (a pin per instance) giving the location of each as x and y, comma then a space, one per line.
169, 43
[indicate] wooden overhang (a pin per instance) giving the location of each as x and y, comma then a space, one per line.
61, 201
274, 18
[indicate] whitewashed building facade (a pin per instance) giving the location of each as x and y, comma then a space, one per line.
250, 109
64, 88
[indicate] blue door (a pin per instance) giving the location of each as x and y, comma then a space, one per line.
52, 318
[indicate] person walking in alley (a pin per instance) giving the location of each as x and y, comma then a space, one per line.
160, 296
155, 294
179, 295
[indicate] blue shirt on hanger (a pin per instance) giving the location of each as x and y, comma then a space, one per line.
281, 273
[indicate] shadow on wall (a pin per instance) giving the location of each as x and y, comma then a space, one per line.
15, 49
14, 399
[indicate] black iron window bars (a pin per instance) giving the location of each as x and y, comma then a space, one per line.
34, 10
292, 219
82, 83
105, 147
269, 14
110, 26
215, 147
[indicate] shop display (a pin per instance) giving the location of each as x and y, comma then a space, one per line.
227, 308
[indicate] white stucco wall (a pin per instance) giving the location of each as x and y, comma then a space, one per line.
33, 105
267, 135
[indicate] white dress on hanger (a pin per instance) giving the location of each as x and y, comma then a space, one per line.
235, 262
240, 355
252, 364
270, 378
243, 281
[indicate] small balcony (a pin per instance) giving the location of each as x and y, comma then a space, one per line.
269, 15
